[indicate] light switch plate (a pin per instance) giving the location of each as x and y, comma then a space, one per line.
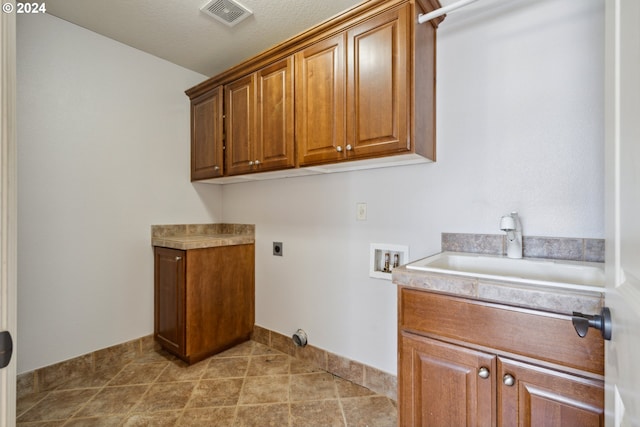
361, 211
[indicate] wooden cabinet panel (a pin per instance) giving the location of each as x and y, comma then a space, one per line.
378, 86
219, 298
275, 128
320, 101
240, 104
204, 299
207, 136
543, 397
443, 386
169, 298
259, 120
545, 336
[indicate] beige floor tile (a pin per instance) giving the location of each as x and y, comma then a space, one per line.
258, 390
271, 364
316, 386
58, 405
349, 389
276, 415
371, 411
166, 397
109, 421
157, 419
227, 367
113, 400
139, 373
208, 417
180, 371
317, 413
218, 392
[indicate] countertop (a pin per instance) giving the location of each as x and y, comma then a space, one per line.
556, 300
199, 236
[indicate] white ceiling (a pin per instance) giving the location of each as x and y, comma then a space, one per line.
177, 31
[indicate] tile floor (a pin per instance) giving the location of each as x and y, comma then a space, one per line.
248, 385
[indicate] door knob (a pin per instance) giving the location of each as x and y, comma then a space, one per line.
6, 348
483, 373
602, 322
508, 380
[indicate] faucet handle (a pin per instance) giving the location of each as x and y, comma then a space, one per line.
507, 223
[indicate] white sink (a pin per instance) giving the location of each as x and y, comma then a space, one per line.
574, 274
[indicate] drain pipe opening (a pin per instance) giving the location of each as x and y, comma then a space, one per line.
300, 338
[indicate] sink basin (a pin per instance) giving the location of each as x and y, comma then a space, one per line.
574, 274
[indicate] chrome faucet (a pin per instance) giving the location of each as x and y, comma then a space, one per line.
512, 226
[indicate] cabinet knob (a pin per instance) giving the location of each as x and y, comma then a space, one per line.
216, 168
349, 148
484, 372
178, 258
339, 149
251, 163
257, 162
508, 380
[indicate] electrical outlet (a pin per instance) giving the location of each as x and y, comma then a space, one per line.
277, 248
361, 211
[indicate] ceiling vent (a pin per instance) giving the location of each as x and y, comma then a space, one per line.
226, 11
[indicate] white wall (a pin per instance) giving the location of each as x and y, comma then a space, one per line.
520, 127
104, 153
103, 140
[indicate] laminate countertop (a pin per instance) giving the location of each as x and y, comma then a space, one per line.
199, 236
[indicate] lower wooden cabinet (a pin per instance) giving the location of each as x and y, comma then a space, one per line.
468, 363
204, 299
440, 384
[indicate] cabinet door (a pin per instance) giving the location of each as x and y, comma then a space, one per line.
320, 102
443, 385
240, 102
169, 310
543, 397
207, 136
274, 118
378, 96
219, 298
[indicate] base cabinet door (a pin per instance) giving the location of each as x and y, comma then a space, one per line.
532, 396
169, 323
445, 385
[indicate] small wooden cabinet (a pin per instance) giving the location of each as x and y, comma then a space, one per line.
207, 135
259, 120
468, 363
204, 299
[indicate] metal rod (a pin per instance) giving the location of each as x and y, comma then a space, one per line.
422, 18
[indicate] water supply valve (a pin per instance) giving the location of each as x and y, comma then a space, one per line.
602, 322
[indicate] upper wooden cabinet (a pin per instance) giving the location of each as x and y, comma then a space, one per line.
259, 120
320, 101
352, 97
207, 135
364, 89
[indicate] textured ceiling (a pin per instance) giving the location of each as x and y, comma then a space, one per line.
177, 31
